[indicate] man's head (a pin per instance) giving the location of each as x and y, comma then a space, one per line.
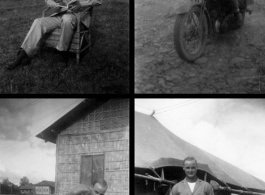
99, 187
190, 167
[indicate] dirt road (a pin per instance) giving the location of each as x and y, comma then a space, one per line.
231, 63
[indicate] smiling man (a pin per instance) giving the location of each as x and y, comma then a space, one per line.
99, 188
191, 185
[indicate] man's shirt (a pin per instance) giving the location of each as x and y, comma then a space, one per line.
85, 20
192, 185
86, 2
183, 188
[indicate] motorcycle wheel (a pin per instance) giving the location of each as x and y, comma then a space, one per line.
189, 35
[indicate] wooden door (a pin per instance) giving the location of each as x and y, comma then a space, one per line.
98, 167
92, 168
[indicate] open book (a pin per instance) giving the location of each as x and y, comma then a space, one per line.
69, 5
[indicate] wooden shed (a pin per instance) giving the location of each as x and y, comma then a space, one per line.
92, 141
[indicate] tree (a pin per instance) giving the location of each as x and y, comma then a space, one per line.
5, 189
24, 181
5, 181
16, 189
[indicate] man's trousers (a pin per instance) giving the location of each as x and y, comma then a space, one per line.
40, 26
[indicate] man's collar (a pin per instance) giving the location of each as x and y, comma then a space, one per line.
198, 183
197, 179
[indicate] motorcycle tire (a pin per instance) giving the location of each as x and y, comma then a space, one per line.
179, 30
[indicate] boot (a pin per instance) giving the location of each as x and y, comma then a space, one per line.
22, 59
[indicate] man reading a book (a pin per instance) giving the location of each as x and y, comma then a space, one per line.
63, 18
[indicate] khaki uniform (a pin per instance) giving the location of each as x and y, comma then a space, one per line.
64, 20
183, 188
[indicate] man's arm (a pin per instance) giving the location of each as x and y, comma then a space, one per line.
209, 189
80, 189
91, 2
51, 3
174, 190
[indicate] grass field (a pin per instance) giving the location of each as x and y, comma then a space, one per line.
104, 70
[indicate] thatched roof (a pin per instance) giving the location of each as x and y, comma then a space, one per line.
68, 117
153, 141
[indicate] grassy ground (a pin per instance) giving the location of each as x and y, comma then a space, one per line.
104, 70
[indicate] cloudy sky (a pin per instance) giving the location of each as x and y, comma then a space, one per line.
23, 154
231, 129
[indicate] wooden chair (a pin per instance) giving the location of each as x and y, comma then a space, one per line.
82, 36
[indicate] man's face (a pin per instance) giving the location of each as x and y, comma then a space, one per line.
99, 190
190, 168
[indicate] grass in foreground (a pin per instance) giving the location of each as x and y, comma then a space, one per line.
104, 70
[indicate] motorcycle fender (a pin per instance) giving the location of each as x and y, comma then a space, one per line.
186, 7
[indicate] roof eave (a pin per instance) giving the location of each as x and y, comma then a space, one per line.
50, 134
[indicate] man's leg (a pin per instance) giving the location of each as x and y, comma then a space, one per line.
39, 27
30, 43
234, 5
239, 16
68, 23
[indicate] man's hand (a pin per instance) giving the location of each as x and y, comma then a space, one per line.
76, 7
52, 4
60, 2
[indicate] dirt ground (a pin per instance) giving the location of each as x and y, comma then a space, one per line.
231, 63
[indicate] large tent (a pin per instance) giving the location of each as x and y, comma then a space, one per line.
157, 146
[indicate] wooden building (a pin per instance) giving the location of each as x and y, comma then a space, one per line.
44, 187
92, 141
27, 190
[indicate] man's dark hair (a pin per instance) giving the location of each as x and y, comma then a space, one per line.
190, 158
101, 182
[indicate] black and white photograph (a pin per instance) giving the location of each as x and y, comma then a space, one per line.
64, 46
199, 46
199, 147
64, 146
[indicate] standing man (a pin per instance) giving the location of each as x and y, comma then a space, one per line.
99, 188
191, 185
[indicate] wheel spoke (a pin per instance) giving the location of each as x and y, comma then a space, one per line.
193, 33
194, 21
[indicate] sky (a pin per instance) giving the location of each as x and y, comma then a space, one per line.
21, 152
231, 129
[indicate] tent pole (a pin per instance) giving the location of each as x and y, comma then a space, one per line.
149, 177
216, 186
162, 174
205, 176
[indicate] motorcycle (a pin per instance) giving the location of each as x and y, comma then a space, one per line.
198, 19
